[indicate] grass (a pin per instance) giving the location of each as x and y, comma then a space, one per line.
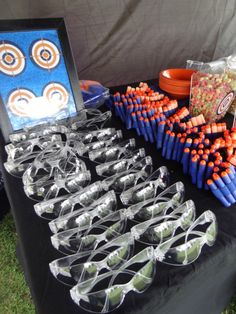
14, 293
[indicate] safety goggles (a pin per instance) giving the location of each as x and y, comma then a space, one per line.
113, 153
59, 185
116, 166
94, 136
162, 204
89, 236
28, 147
46, 169
140, 171
63, 205
95, 120
100, 144
161, 228
86, 265
36, 132
74, 219
150, 188
119, 282
192, 240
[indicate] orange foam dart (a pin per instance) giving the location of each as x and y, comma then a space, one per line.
208, 129
220, 158
225, 164
207, 142
207, 151
233, 135
195, 142
201, 146
216, 154
214, 127
212, 149
194, 121
232, 160
200, 152
230, 151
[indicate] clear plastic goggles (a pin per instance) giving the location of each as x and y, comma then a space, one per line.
28, 147
94, 136
162, 228
158, 181
95, 120
42, 130
65, 204
74, 219
61, 184
123, 149
163, 203
116, 166
193, 240
89, 296
46, 169
82, 266
126, 179
88, 236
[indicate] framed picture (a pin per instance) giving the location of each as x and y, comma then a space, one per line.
37, 74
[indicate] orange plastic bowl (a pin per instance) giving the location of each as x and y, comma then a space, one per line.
177, 77
176, 82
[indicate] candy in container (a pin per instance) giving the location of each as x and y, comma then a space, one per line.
211, 94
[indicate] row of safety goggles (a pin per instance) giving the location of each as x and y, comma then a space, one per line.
97, 237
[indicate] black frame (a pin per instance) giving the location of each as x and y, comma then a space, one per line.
57, 24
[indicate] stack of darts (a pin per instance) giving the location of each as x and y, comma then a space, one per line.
207, 152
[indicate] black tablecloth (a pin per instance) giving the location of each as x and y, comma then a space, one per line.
205, 286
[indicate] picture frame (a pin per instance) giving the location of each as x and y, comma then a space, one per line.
37, 72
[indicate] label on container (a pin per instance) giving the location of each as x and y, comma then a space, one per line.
225, 103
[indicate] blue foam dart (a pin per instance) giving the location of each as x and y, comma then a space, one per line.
218, 194
160, 133
165, 142
223, 188
200, 174
154, 127
122, 112
142, 124
193, 168
231, 175
180, 149
228, 182
170, 145
209, 171
129, 110
135, 123
176, 145
185, 160
149, 130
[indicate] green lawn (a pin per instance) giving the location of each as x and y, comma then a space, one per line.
14, 293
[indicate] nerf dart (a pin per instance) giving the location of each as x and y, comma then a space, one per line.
231, 175
160, 134
128, 118
193, 168
176, 145
170, 145
165, 142
135, 123
200, 174
223, 188
216, 169
209, 171
229, 183
218, 194
205, 157
154, 126
185, 160
188, 143
143, 129
149, 130
180, 149
195, 143
122, 111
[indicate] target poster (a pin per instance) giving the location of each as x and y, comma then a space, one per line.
38, 83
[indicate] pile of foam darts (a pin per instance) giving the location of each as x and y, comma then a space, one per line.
207, 152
